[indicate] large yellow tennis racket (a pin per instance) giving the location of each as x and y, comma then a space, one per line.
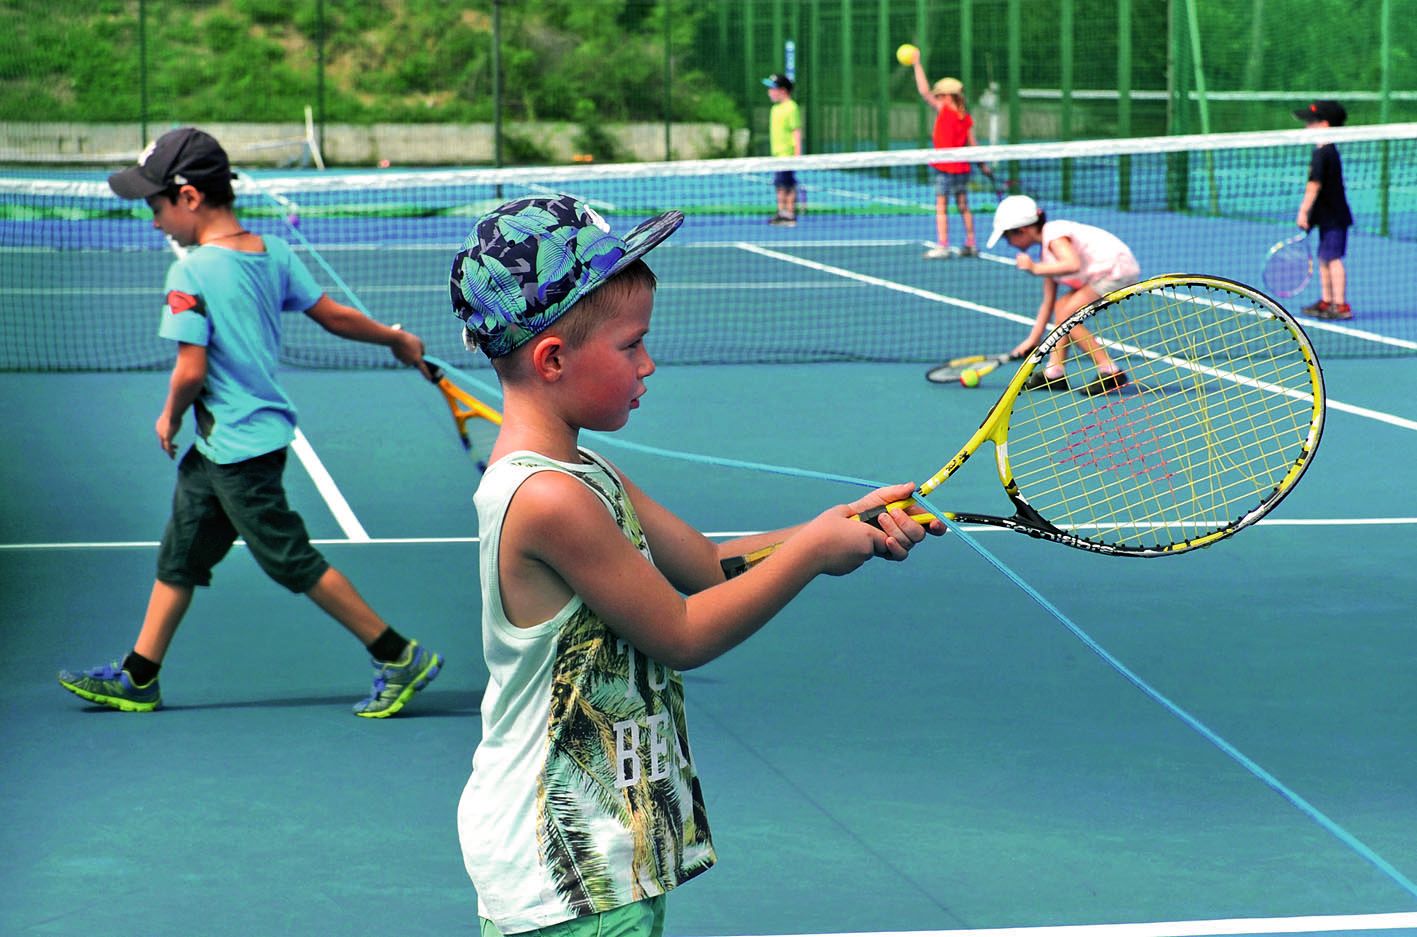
1217, 415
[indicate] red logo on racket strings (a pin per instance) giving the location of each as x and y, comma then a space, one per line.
1121, 442
178, 301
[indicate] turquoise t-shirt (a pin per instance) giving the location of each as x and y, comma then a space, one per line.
231, 302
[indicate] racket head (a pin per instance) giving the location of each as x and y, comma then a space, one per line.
988, 367
1289, 266
1220, 416
952, 370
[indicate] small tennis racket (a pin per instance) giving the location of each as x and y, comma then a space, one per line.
1003, 189
1289, 266
477, 423
1221, 415
956, 368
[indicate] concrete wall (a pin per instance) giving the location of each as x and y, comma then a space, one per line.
361, 145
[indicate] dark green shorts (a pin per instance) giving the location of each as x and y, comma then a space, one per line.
214, 504
642, 919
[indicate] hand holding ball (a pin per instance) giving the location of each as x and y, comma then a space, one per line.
907, 54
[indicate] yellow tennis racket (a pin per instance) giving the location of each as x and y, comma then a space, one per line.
953, 371
1218, 413
476, 422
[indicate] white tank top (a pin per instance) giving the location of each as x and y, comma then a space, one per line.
583, 795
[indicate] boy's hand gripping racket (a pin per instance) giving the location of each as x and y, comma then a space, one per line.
1221, 415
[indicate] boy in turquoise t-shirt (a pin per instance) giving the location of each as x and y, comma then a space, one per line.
785, 139
225, 298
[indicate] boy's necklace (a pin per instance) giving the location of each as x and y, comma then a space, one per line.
219, 237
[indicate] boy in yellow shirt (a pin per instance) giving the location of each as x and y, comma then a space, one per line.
785, 139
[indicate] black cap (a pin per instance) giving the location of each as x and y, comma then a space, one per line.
778, 81
176, 158
1330, 111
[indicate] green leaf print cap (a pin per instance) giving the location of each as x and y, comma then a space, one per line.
527, 262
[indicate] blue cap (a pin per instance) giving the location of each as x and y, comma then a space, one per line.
527, 262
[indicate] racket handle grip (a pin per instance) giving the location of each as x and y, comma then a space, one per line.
871, 515
738, 565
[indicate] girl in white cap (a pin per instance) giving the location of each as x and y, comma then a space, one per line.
1087, 260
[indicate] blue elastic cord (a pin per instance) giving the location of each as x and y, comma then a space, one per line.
1318, 816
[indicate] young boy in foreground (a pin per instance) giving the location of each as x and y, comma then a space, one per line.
584, 806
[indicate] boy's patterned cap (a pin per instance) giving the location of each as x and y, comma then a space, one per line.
175, 158
778, 81
527, 262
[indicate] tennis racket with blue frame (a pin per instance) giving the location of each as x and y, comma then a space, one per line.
1289, 266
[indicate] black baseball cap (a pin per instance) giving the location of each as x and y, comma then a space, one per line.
778, 81
1330, 111
175, 158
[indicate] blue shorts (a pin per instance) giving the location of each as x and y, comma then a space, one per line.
215, 503
1333, 244
785, 180
951, 183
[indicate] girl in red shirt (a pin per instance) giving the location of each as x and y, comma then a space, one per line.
953, 128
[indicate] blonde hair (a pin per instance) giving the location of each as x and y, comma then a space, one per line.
589, 313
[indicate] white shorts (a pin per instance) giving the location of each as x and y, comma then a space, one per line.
1123, 274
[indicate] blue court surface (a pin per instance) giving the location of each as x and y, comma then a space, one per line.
920, 747
1000, 736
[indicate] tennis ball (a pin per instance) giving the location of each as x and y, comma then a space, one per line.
969, 379
907, 54
293, 220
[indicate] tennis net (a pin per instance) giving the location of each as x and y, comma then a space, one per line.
81, 271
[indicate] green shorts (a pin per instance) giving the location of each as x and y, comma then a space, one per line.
214, 504
641, 919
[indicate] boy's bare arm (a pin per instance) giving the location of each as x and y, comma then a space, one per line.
348, 322
688, 559
189, 373
1311, 194
636, 599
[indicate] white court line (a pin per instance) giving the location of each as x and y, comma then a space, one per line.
711, 534
1332, 404
325, 483
885, 284
1270, 925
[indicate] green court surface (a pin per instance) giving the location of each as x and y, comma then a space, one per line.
916, 747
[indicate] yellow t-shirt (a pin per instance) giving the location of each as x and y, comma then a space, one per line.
784, 119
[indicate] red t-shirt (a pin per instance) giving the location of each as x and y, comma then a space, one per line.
951, 130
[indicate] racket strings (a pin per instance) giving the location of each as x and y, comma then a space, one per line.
1215, 416
1289, 266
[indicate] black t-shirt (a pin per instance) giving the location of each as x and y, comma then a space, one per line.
1330, 209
